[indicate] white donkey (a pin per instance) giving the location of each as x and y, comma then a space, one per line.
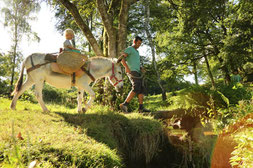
99, 67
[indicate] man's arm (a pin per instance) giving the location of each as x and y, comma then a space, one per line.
123, 62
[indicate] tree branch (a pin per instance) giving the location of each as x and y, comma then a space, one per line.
106, 18
83, 26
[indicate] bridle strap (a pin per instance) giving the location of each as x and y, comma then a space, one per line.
113, 76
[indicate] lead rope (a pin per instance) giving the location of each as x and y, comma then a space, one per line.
137, 77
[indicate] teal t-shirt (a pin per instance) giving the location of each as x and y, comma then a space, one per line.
133, 59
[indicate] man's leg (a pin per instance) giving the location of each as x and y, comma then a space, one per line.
135, 90
130, 96
124, 106
140, 98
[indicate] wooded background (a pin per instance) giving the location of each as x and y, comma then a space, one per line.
207, 39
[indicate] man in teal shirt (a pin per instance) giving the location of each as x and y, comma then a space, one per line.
131, 62
236, 78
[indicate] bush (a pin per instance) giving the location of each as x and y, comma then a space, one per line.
66, 97
4, 88
199, 96
29, 96
235, 93
243, 152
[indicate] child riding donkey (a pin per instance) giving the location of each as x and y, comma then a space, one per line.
69, 43
59, 72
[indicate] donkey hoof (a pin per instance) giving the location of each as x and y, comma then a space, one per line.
84, 110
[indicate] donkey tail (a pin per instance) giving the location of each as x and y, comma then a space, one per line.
20, 80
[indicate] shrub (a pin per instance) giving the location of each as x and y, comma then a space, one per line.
66, 97
235, 93
4, 88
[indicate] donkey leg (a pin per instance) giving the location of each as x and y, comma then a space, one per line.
79, 100
38, 93
26, 85
88, 89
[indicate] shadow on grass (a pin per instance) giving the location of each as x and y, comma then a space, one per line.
101, 127
135, 137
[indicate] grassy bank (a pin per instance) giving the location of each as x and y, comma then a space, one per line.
63, 138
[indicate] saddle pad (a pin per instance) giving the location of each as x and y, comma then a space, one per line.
71, 62
55, 68
51, 57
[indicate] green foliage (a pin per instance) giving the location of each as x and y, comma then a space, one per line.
17, 14
66, 97
3, 64
186, 30
224, 96
235, 93
242, 155
29, 96
192, 97
3, 87
231, 115
239, 127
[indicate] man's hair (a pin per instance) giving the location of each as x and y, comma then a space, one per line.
137, 38
235, 71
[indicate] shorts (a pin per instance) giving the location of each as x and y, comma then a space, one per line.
137, 82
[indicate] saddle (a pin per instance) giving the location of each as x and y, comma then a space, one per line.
77, 66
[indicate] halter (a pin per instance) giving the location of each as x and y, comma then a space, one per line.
113, 76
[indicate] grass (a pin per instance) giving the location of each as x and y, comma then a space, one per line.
155, 103
63, 138
105, 138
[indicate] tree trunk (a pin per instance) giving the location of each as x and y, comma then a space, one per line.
83, 26
224, 68
105, 43
91, 28
195, 72
151, 44
108, 24
122, 27
208, 69
13, 63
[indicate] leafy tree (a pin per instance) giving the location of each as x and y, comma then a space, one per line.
3, 61
238, 45
148, 31
17, 15
214, 35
